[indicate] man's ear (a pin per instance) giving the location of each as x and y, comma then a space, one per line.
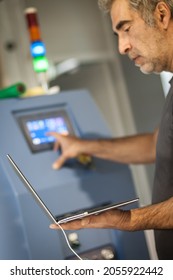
163, 14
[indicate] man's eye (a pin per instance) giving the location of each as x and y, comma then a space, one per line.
127, 29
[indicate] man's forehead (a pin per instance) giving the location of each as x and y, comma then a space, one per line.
120, 13
118, 3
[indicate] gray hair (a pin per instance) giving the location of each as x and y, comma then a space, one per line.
144, 7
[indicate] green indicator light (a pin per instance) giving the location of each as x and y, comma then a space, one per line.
40, 64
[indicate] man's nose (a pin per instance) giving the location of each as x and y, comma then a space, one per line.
124, 46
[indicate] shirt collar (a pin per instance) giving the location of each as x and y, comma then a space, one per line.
171, 81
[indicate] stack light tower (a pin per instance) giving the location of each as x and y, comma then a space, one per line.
37, 47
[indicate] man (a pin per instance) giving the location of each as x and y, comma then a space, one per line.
145, 33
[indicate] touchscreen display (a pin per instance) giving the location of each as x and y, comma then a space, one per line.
35, 127
38, 129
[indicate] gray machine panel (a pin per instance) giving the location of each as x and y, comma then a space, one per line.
66, 190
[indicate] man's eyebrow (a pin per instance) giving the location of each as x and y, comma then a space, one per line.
121, 24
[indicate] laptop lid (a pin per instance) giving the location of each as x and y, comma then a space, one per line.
74, 216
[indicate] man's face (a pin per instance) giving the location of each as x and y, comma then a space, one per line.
142, 43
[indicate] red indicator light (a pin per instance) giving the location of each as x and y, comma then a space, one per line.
31, 16
33, 25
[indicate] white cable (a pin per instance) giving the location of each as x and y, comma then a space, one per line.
68, 242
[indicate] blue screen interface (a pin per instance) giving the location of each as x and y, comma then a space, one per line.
38, 129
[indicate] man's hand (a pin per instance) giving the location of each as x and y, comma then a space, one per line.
115, 219
155, 216
69, 147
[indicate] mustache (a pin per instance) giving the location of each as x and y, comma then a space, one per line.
133, 55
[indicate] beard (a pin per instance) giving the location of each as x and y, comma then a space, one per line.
155, 66
147, 68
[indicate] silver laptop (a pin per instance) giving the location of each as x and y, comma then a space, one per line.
76, 215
